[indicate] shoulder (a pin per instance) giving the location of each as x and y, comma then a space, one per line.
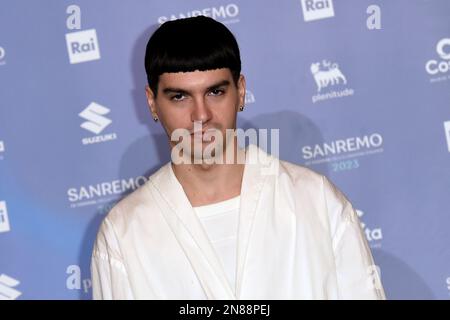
319, 189
132, 210
299, 174
308, 178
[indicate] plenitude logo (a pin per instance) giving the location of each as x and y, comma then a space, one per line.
328, 74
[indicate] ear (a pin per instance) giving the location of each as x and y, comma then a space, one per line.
151, 101
241, 90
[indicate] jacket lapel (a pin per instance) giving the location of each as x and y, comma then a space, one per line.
252, 185
178, 212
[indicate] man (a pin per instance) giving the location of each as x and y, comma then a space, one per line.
202, 228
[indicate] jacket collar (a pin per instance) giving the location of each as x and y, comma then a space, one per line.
186, 226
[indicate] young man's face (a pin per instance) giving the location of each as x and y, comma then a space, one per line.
207, 96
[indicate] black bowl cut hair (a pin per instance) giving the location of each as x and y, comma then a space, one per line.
197, 43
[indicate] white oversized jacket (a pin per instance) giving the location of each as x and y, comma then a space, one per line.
298, 238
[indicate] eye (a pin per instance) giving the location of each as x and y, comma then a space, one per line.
216, 92
177, 97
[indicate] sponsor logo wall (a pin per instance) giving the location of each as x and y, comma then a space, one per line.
353, 94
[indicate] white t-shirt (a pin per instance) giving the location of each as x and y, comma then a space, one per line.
220, 221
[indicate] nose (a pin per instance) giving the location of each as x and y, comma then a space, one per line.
201, 111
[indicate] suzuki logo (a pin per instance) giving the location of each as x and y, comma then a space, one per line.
94, 113
6, 288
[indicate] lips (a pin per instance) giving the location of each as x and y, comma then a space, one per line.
198, 132
202, 132
204, 135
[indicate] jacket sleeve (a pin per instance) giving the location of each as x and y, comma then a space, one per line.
109, 276
357, 275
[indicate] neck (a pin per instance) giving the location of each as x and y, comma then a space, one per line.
209, 183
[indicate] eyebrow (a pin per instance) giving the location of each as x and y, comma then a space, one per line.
222, 83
